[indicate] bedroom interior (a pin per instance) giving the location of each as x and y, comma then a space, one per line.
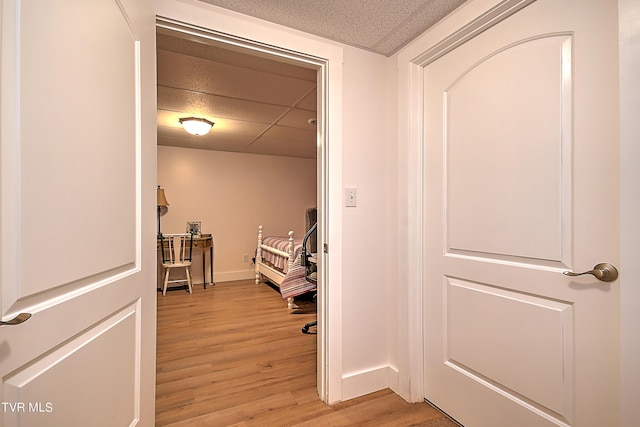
257, 165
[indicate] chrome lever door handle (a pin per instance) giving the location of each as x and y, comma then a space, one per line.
604, 271
20, 318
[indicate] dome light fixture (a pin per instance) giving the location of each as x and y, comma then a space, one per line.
196, 126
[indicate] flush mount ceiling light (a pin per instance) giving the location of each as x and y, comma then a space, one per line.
196, 126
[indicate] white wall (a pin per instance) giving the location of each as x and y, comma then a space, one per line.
232, 194
368, 153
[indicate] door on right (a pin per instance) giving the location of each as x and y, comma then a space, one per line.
521, 186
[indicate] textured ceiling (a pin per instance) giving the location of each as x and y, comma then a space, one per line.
260, 105
381, 26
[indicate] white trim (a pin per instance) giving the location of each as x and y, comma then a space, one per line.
489, 18
470, 19
327, 57
365, 382
629, 211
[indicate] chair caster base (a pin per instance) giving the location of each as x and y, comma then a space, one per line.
305, 328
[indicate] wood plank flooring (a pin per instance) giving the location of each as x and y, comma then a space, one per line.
234, 355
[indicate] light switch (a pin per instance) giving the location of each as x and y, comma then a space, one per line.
350, 197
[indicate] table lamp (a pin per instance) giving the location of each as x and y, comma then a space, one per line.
162, 203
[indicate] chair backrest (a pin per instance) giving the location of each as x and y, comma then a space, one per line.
305, 254
311, 219
176, 248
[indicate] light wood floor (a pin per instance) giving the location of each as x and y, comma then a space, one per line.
234, 355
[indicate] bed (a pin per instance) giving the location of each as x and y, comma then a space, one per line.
278, 259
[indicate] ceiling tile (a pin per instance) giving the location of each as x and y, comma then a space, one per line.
309, 102
278, 147
185, 72
297, 118
283, 133
223, 142
214, 106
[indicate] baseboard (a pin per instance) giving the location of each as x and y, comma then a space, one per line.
394, 385
365, 382
224, 276
229, 276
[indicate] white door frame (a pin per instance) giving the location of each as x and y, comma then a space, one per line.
214, 23
445, 36
629, 209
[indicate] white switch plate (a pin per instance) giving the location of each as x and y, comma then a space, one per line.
350, 197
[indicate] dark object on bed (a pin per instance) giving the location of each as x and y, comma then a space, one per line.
311, 270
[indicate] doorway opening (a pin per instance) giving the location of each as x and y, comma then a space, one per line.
198, 36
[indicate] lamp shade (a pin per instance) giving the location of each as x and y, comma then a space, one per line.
196, 126
162, 200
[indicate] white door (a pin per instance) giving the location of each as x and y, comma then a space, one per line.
77, 216
521, 164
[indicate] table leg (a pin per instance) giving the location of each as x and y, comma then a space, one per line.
204, 261
211, 263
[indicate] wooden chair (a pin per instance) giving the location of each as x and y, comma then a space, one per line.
176, 253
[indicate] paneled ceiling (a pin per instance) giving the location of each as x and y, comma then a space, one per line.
260, 105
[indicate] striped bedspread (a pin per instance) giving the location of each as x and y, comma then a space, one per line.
280, 243
295, 283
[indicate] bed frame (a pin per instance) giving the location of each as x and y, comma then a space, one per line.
274, 275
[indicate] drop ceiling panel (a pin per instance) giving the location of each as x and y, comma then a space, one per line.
185, 72
216, 107
297, 118
283, 133
279, 147
219, 142
309, 101
247, 97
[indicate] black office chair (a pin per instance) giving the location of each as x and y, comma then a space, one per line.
311, 271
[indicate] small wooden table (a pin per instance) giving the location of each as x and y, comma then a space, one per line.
205, 241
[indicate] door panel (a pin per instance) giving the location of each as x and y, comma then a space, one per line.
488, 325
517, 125
109, 392
77, 213
514, 187
92, 160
